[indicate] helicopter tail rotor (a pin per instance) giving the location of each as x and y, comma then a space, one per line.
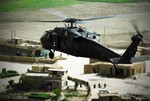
135, 26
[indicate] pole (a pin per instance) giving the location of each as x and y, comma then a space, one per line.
104, 35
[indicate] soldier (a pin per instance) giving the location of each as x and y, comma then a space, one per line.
94, 86
99, 85
104, 85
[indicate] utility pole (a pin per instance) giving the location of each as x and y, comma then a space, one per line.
14, 33
11, 33
104, 35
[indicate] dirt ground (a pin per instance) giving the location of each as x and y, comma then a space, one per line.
86, 10
120, 23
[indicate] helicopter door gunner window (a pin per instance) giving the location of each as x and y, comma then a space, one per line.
54, 38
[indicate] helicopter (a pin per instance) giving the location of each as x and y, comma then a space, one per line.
82, 42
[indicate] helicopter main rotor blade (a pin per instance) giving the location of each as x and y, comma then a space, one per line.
96, 18
48, 21
19, 21
67, 20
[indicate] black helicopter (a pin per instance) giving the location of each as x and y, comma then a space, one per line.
82, 42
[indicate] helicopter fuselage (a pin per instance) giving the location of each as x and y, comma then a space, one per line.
76, 41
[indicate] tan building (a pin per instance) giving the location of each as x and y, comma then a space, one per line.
44, 68
108, 69
17, 41
105, 95
19, 47
48, 78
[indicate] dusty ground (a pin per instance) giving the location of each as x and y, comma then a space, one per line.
119, 24
75, 65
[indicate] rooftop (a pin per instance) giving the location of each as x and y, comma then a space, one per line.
62, 70
37, 74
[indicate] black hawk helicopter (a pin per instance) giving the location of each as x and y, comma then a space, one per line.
82, 42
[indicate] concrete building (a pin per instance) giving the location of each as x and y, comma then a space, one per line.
48, 78
108, 69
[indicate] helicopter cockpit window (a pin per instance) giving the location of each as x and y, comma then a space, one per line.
48, 36
91, 36
80, 30
44, 35
84, 34
57, 30
94, 37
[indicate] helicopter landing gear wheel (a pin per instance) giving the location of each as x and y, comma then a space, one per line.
51, 54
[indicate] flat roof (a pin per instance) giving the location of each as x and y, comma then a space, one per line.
16, 38
62, 70
37, 74
106, 95
48, 66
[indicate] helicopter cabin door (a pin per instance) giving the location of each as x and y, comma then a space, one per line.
72, 46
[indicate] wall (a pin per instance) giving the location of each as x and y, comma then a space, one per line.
139, 67
108, 69
88, 69
110, 98
41, 83
26, 59
79, 81
17, 58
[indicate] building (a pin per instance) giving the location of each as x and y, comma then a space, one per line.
44, 68
19, 47
16, 41
108, 69
48, 78
105, 95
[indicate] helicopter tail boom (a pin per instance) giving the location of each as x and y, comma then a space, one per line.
126, 58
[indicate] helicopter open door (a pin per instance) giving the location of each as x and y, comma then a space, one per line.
54, 46
55, 41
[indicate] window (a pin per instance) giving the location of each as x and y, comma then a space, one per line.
128, 72
110, 98
132, 71
120, 72
140, 70
94, 70
54, 72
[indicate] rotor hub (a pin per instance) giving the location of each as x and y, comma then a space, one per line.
72, 20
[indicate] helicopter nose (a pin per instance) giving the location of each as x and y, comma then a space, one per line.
43, 37
45, 40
